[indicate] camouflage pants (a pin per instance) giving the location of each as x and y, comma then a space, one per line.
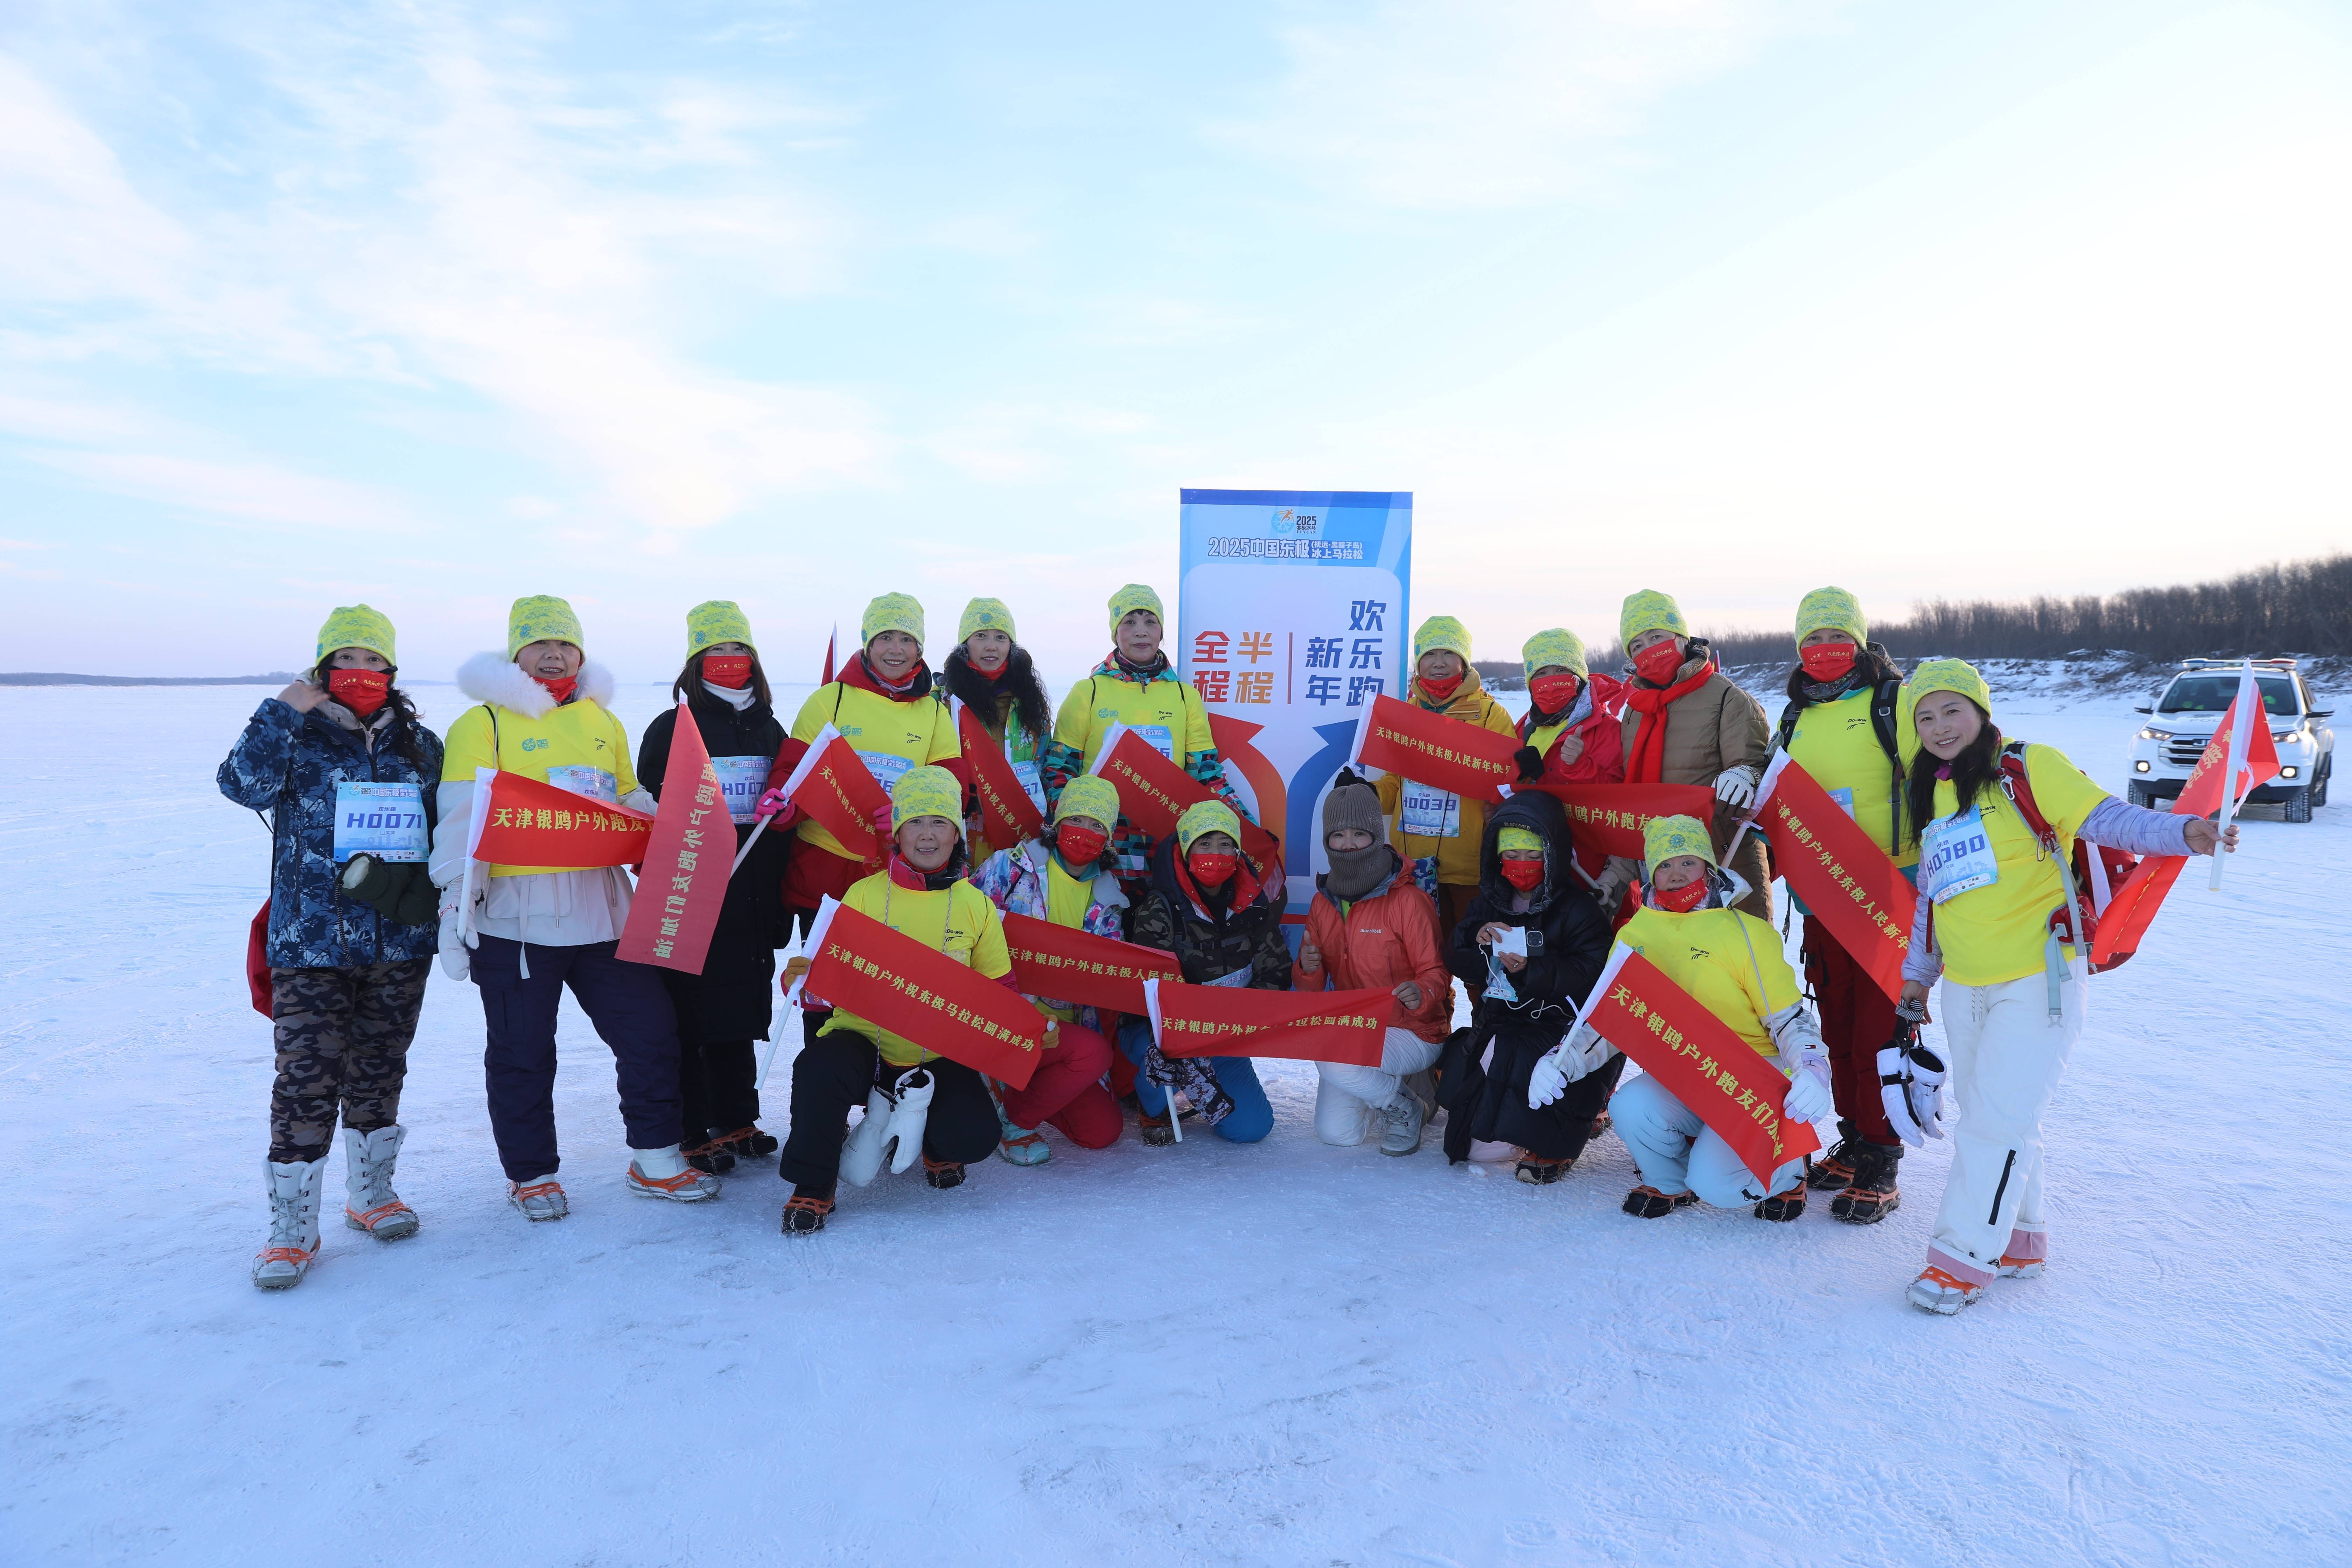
343, 1045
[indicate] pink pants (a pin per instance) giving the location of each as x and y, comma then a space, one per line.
1066, 1092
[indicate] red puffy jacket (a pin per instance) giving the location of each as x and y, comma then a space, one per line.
1602, 731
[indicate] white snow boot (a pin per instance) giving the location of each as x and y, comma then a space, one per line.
663, 1174
889, 1119
1402, 1119
293, 1223
540, 1198
372, 1207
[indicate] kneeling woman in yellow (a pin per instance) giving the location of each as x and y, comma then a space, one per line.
1996, 891
1729, 962
1136, 687
922, 894
533, 930
882, 706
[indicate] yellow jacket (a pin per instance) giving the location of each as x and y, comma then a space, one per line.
889, 736
1731, 962
1454, 826
958, 920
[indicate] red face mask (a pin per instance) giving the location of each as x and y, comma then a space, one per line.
1442, 690
1660, 663
1828, 662
1212, 871
1683, 900
1079, 846
361, 690
561, 689
1553, 693
731, 670
1526, 876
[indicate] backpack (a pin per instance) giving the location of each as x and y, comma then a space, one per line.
1883, 698
2093, 866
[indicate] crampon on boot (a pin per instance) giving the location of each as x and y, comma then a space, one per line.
942, 1173
805, 1210
746, 1143
1833, 1169
293, 1244
1872, 1195
711, 1157
1539, 1172
1941, 1293
1646, 1202
1782, 1207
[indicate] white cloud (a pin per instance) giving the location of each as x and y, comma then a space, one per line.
1486, 103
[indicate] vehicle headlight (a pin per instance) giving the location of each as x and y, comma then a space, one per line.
2155, 734
2293, 734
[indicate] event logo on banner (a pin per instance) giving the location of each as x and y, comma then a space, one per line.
1293, 614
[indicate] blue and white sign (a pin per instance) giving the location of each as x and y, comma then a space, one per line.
385, 820
741, 781
1293, 612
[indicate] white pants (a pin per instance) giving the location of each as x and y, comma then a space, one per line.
1677, 1152
1347, 1098
2006, 1058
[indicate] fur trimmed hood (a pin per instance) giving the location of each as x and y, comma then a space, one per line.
497, 679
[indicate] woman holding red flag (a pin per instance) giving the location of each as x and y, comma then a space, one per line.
1993, 916
915, 1093
1135, 686
1065, 879
1843, 726
1437, 831
348, 948
732, 1001
1686, 724
991, 674
1569, 734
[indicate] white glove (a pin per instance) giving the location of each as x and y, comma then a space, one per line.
1809, 1098
454, 961
1911, 1083
1736, 787
1581, 1053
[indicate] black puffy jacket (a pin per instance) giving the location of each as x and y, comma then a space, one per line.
1209, 944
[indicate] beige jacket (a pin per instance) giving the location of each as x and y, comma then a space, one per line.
1715, 729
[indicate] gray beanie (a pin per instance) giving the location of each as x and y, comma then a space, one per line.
1352, 803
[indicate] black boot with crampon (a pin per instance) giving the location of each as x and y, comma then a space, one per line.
805, 1210
1834, 1168
1871, 1195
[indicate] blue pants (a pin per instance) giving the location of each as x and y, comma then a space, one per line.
1252, 1116
631, 1010
1677, 1152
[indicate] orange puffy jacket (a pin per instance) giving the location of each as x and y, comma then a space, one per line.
1385, 938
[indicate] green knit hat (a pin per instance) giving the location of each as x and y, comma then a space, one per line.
1830, 609
891, 613
543, 617
985, 616
357, 625
926, 792
1949, 674
1558, 646
1133, 598
1442, 633
1648, 610
1088, 795
717, 621
1203, 817
1665, 837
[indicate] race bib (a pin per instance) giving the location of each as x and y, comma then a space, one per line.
1161, 739
1025, 770
385, 820
1956, 857
886, 767
1428, 813
741, 779
1238, 977
594, 783
1845, 797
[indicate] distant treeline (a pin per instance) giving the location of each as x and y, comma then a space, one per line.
48, 678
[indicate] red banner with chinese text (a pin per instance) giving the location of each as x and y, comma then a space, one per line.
1697, 1057
1606, 819
1235, 1021
832, 786
1846, 880
1081, 969
2134, 904
1431, 749
526, 822
1007, 816
687, 861
1153, 792
857, 963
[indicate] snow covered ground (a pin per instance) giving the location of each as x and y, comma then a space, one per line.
1280, 1355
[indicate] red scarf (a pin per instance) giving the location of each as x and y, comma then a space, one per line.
1648, 761
1683, 900
560, 688
1436, 695
1245, 887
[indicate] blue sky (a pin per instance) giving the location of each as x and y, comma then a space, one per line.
437, 304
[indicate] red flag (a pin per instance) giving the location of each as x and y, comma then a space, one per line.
1077, 969
1431, 749
1608, 819
688, 860
856, 962
1843, 877
527, 823
1235, 1021
1153, 792
1007, 816
826, 679
1697, 1057
833, 788
2132, 908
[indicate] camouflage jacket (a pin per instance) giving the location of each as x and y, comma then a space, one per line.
287, 765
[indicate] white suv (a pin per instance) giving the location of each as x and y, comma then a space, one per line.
2184, 717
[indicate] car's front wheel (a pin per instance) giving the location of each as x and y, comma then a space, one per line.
2298, 805
2140, 795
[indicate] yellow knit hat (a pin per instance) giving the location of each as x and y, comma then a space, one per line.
1133, 598
1204, 817
1557, 645
1664, 838
1518, 840
1088, 796
891, 613
1949, 674
357, 625
985, 616
926, 792
1442, 633
1648, 611
543, 617
1830, 609
717, 621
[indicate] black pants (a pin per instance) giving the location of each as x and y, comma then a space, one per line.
836, 1071
715, 1087
1557, 1132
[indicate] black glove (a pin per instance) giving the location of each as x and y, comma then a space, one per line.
402, 893
1531, 764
